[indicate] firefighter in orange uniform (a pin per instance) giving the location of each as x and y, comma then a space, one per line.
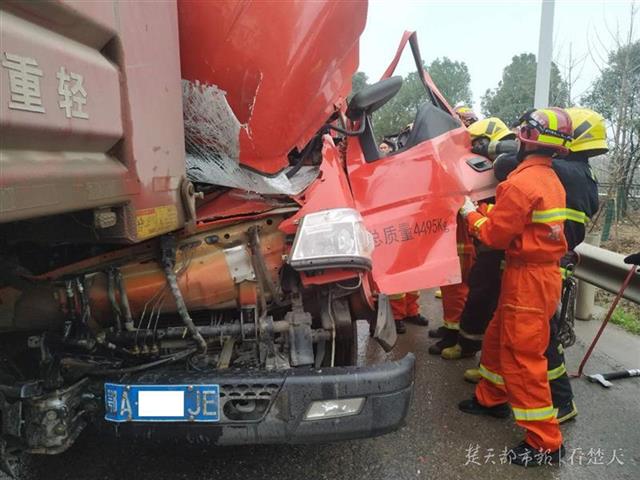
527, 221
405, 309
454, 297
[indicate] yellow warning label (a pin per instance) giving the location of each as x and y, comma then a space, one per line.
154, 221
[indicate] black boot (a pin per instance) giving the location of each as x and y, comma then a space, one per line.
400, 327
527, 456
417, 320
567, 412
437, 332
449, 339
474, 408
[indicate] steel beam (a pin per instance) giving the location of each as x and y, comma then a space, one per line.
606, 270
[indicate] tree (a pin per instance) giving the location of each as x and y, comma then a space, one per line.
616, 95
401, 109
453, 80
515, 92
358, 82
451, 77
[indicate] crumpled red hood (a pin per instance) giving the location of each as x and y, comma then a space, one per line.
284, 65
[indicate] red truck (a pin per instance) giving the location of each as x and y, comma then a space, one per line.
193, 218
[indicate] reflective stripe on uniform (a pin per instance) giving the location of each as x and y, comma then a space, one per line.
556, 373
490, 376
549, 216
479, 222
534, 414
490, 206
397, 296
576, 215
558, 215
471, 336
451, 325
566, 273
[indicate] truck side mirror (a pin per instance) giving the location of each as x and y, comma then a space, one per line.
372, 97
364, 103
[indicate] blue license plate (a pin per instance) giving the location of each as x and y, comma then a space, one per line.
161, 403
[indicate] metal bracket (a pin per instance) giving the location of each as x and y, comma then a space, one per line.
189, 195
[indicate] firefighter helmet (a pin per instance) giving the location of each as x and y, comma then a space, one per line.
589, 132
467, 115
546, 128
492, 128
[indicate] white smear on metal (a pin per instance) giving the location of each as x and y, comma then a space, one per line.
212, 134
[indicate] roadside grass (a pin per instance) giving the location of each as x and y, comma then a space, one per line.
627, 319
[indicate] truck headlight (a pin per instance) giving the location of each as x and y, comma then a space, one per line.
330, 239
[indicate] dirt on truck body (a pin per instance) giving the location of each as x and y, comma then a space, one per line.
193, 219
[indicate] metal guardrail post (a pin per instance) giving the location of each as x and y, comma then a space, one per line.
586, 294
603, 269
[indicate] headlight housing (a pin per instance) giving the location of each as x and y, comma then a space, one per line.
332, 239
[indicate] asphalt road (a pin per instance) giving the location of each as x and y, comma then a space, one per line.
438, 441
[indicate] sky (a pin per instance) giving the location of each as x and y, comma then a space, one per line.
487, 34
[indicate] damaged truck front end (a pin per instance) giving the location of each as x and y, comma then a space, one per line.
210, 282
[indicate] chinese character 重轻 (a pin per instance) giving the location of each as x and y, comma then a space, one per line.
74, 96
24, 83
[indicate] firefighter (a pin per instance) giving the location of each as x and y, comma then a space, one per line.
485, 274
574, 172
466, 115
579, 182
454, 296
406, 309
527, 221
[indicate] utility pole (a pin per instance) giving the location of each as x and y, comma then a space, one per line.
545, 51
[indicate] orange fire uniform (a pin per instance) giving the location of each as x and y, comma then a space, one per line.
527, 221
404, 305
454, 297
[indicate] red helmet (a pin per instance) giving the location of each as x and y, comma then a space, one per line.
549, 128
466, 115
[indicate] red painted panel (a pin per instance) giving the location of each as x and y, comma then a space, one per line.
283, 65
330, 189
409, 203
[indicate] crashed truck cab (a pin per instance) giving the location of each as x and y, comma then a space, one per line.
203, 270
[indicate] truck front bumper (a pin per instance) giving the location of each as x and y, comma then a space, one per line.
270, 407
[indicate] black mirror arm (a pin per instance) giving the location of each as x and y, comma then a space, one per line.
350, 133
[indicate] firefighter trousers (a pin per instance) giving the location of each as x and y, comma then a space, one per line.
405, 305
484, 289
513, 363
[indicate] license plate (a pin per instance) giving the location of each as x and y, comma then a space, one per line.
161, 403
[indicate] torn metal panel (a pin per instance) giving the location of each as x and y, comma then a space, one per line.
212, 141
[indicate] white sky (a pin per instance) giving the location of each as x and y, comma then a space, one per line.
487, 34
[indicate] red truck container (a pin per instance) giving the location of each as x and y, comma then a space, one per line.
192, 220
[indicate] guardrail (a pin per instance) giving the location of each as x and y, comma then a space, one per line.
606, 269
